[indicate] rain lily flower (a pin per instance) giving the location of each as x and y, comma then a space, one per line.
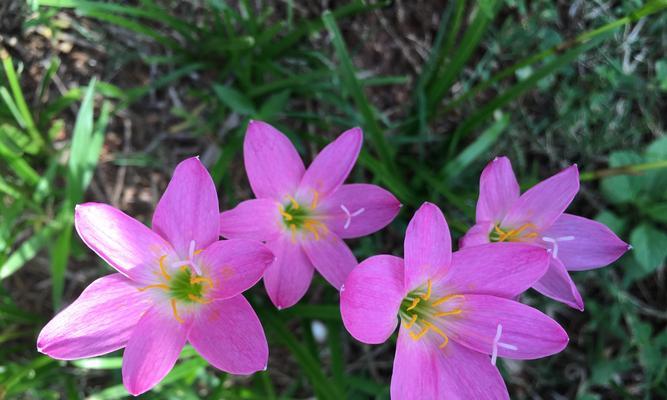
175, 283
537, 217
303, 215
456, 311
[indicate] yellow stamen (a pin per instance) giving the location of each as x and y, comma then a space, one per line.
292, 228
310, 226
287, 216
198, 299
316, 195
445, 299
515, 233
420, 334
411, 323
156, 286
295, 204
414, 303
173, 308
427, 295
446, 313
199, 279
437, 330
163, 270
196, 252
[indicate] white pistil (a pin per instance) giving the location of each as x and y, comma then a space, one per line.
190, 260
349, 215
554, 242
497, 343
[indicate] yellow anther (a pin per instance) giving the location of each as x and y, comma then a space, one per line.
445, 299
196, 252
447, 313
295, 204
184, 268
292, 228
514, 234
316, 196
198, 299
414, 303
156, 286
411, 323
200, 279
421, 333
173, 308
287, 216
311, 226
163, 269
427, 295
439, 332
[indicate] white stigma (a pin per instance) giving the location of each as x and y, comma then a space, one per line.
497, 343
349, 215
554, 242
190, 260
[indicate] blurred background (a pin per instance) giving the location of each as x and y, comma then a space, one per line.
100, 100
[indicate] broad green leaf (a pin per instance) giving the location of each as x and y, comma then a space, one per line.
649, 246
622, 188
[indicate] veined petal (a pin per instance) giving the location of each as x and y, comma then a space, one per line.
120, 240
526, 333
423, 371
152, 350
498, 269
287, 279
371, 297
228, 334
235, 265
498, 190
272, 163
100, 321
478, 234
558, 285
188, 209
542, 204
428, 246
332, 166
359, 209
583, 243
256, 219
331, 258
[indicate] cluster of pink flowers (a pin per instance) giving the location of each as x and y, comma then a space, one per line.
458, 311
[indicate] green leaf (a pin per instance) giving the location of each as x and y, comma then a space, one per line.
29, 249
622, 188
656, 180
649, 246
235, 100
661, 74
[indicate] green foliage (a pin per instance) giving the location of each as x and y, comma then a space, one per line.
492, 63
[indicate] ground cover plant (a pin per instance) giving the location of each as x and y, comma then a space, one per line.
101, 100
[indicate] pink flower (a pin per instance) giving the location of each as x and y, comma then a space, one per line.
303, 215
536, 217
175, 283
455, 311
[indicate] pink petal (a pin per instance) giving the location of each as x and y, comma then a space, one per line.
542, 204
423, 371
287, 279
428, 246
590, 244
558, 285
228, 334
122, 241
478, 234
332, 166
371, 297
152, 349
100, 321
234, 265
331, 258
498, 269
188, 209
257, 219
359, 209
272, 163
498, 190
531, 333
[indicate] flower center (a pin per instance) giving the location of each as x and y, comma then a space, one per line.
419, 310
299, 218
185, 284
525, 231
